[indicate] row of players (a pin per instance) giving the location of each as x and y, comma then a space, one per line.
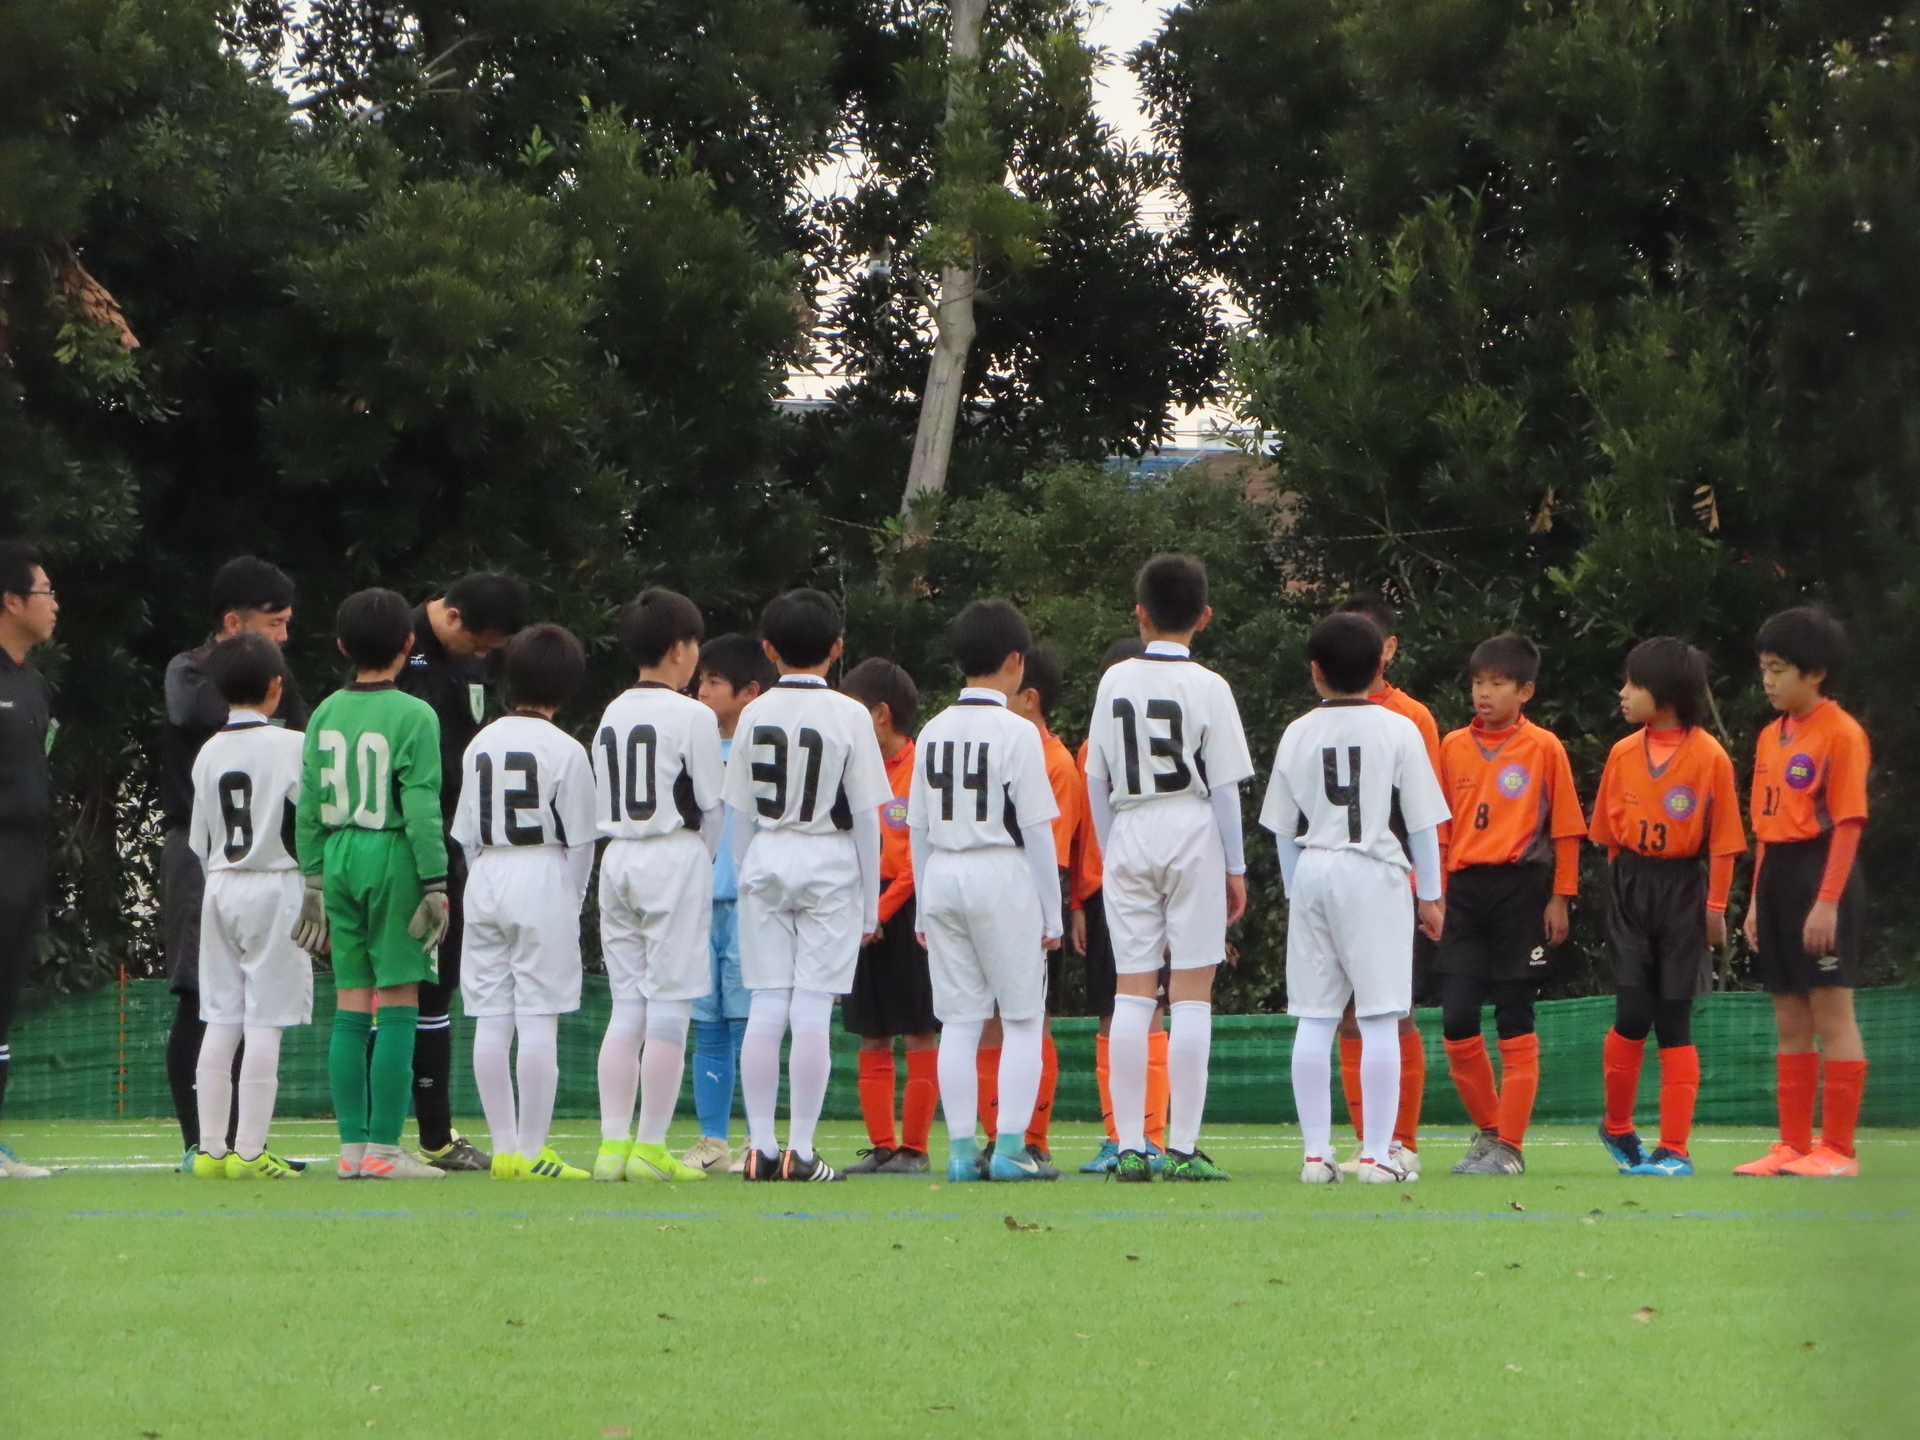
1370, 811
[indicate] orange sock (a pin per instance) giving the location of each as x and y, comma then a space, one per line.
1797, 1078
876, 1096
1679, 1088
1413, 1088
1157, 1088
1049, 1083
921, 1100
1472, 1074
986, 1066
1620, 1074
1846, 1082
1102, 1073
1350, 1078
1519, 1083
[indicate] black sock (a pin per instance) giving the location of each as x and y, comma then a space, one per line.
432, 1074
183, 1055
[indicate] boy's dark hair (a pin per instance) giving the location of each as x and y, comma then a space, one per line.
738, 660
1506, 656
881, 682
1131, 648
243, 666
655, 622
1173, 591
985, 633
1046, 675
801, 625
1347, 648
1674, 673
373, 626
17, 562
544, 666
247, 582
1806, 638
1376, 608
491, 603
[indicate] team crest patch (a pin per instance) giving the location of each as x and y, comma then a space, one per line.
1512, 781
477, 702
1801, 772
1680, 802
893, 814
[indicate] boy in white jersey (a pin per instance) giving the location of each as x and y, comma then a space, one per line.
525, 822
254, 981
805, 782
980, 815
1350, 779
1165, 759
656, 762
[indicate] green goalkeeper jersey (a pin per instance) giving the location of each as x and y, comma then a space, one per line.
372, 762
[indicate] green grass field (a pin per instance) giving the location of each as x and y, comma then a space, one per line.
1568, 1302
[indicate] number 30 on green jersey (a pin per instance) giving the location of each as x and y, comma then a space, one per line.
373, 764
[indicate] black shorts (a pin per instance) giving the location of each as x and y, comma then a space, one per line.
1497, 923
1789, 884
892, 992
1426, 985
1657, 925
1101, 977
182, 885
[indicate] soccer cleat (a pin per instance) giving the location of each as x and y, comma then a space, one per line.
12, 1167
508, 1165
390, 1162
186, 1159
792, 1167
1040, 1153
1662, 1162
758, 1166
1131, 1167
710, 1154
1156, 1158
1476, 1152
1020, 1165
611, 1162
1499, 1158
1351, 1165
1316, 1170
1779, 1155
1406, 1158
739, 1165
351, 1157
209, 1167
870, 1161
457, 1154
906, 1162
264, 1166
656, 1162
1824, 1163
1380, 1172
1102, 1163
1196, 1166
549, 1166
1625, 1149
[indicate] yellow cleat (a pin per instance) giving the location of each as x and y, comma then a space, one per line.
549, 1166
508, 1166
209, 1167
656, 1162
264, 1166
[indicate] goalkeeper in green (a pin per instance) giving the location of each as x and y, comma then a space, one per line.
370, 845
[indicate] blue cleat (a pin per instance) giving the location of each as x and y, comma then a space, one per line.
1156, 1158
1022, 1165
1625, 1150
186, 1159
1102, 1163
1663, 1162
964, 1163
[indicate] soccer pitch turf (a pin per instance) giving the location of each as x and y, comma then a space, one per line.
1568, 1302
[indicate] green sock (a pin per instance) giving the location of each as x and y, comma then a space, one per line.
391, 1074
347, 1073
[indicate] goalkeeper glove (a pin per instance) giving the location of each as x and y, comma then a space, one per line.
429, 923
310, 930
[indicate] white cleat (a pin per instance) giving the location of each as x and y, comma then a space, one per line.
1380, 1172
350, 1158
12, 1167
1351, 1165
1407, 1160
390, 1162
710, 1154
1320, 1172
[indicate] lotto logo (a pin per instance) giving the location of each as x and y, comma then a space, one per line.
1679, 802
893, 814
1801, 772
1512, 781
1539, 955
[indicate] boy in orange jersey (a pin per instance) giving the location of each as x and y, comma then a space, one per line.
1809, 807
892, 992
1513, 863
1667, 800
1413, 1051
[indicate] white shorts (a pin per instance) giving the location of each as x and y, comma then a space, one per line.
656, 917
983, 927
520, 940
1349, 934
1166, 887
799, 912
251, 972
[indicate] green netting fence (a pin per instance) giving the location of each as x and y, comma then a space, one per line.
100, 1056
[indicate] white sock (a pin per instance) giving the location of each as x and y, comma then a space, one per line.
213, 1086
492, 1045
767, 1013
809, 1064
259, 1084
620, 1068
959, 1080
1127, 1068
662, 1064
537, 1068
1019, 1073
1379, 1083
1189, 1043
1313, 1084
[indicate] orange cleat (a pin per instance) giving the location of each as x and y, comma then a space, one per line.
1825, 1163
1774, 1162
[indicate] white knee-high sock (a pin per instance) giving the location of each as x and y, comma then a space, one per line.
537, 1068
959, 1080
662, 1064
1189, 1044
1019, 1078
809, 1064
1313, 1084
213, 1085
1127, 1068
620, 1068
259, 1084
1379, 1083
492, 1045
767, 1014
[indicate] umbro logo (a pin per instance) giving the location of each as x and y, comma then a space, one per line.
1829, 962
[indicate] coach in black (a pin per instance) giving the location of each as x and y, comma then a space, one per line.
452, 636
28, 610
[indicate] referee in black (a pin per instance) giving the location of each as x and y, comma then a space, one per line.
28, 610
452, 636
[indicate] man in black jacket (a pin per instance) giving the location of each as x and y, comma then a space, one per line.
452, 636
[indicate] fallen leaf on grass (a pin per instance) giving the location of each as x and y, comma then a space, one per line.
516, 1322
664, 1228
1407, 1198
149, 1435
899, 1247
1078, 1336
1514, 1368
1513, 1265
615, 1432
1644, 1314
1811, 1345
1238, 1303
1013, 1224
1516, 1205
1276, 1281
759, 1279
1133, 1257
664, 1315
1580, 1275
1634, 1203
1479, 1274
373, 1389
939, 1407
